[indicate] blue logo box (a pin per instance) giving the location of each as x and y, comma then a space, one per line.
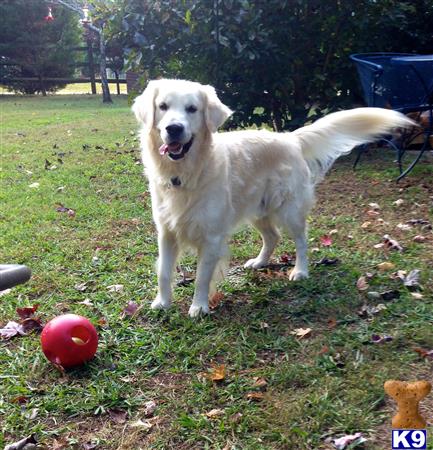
409, 439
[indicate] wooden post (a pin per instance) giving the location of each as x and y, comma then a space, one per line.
91, 63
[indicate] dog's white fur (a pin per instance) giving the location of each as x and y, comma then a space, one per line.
226, 179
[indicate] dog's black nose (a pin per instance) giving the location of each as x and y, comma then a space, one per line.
174, 130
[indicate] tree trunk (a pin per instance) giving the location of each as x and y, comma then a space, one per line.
106, 97
91, 63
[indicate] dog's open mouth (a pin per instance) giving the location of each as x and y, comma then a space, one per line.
176, 150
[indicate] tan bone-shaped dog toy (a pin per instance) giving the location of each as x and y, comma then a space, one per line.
407, 395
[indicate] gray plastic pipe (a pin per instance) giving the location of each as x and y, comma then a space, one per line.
13, 274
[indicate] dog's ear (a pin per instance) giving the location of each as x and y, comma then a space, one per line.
143, 107
216, 113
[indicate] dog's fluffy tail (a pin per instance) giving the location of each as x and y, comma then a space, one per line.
336, 134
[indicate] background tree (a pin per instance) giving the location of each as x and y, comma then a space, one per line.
34, 46
276, 62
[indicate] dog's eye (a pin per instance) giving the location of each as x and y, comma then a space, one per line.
163, 106
191, 109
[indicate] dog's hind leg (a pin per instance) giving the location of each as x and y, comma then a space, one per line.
270, 237
168, 251
297, 226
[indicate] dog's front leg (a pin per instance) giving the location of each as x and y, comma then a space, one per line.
208, 257
168, 251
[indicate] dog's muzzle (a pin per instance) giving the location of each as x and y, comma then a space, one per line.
176, 150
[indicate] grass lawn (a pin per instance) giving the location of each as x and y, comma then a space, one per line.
279, 391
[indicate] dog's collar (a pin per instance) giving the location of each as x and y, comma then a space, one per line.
185, 150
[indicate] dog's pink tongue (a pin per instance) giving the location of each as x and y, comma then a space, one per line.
173, 147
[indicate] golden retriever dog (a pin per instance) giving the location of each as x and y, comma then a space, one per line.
205, 184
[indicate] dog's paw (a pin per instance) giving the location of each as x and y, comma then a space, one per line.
159, 303
296, 275
198, 310
255, 263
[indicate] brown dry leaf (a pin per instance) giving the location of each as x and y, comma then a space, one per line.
217, 373
213, 413
215, 300
236, 417
332, 323
365, 225
142, 425
118, 415
383, 267
323, 350
259, 382
372, 213
302, 333
362, 284
256, 396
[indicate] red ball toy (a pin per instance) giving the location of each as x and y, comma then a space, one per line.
69, 340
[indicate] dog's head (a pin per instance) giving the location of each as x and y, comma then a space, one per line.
180, 111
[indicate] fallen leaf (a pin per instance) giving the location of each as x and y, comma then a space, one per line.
143, 425
31, 323
323, 350
390, 295
236, 417
149, 408
81, 286
285, 258
130, 309
86, 302
115, 288
398, 202
403, 227
332, 323
215, 300
32, 414
417, 295
373, 295
384, 266
217, 373
412, 279
34, 185
12, 329
380, 245
374, 206
326, 240
344, 441
419, 238
424, 353
256, 396
365, 225
327, 261
376, 339
367, 311
118, 415
391, 244
213, 413
372, 213
19, 445
27, 311
362, 284
259, 382
302, 333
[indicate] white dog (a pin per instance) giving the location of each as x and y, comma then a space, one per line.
205, 184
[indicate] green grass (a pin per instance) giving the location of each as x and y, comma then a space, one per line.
323, 386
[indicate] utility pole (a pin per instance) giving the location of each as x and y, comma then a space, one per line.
83, 12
